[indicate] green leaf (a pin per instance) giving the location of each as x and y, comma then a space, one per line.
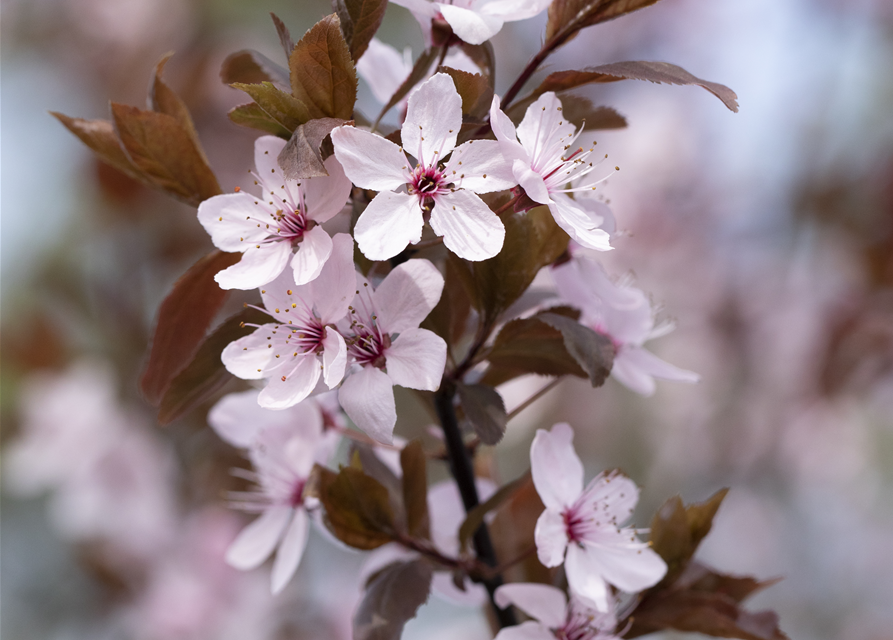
475, 517
284, 36
165, 153
358, 510
392, 598
100, 136
252, 116
485, 410
415, 490
163, 100
251, 67
475, 90
567, 17
322, 73
205, 374
416, 75
593, 351
282, 107
360, 20
302, 157
183, 318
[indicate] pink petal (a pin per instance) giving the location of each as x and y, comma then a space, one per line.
335, 287
627, 373
237, 418
649, 363
543, 602
543, 128
613, 495
367, 397
258, 266
442, 586
407, 295
334, 358
416, 359
247, 357
629, 568
470, 26
288, 557
511, 10
326, 196
479, 166
529, 630
256, 541
383, 68
370, 161
313, 251
300, 379
389, 223
469, 228
266, 161
279, 295
584, 577
556, 468
505, 134
580, 224
231, 219
532, 182
550, 535
433, 120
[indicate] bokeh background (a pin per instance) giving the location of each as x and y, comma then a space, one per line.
767, 235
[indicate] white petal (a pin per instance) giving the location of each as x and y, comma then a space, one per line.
631, 376
544, 130
300, 379
550, 535
584, 282
336, 285
389, 223
529, 630
483, 168
469, 228
247, 357
433, 120
448, 513
628, 568
416, 359
334, 357
505, 133
256, 541
470, 26
613, 495
325, 196
580, 224
532, 182
266, 161
237, 418
235, 221
556, 468
442, 586
258, 266
584, 577
383, 69
649, 363
544, 602
313, 251
367, 397
407, 295
370, 161
511, 10
288, 557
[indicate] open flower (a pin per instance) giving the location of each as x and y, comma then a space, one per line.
283, 218
474, 21
301, 343
388, 347
623, 314
444, 190
553, 616
585, 523
543, 164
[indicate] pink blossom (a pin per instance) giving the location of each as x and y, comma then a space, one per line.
581, 527
283, 218
543, 164
301, 344
388, 347
474, 21
553, 616
435, 186
624, 314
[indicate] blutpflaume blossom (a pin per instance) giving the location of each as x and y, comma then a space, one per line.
474, 21
277, 227
582, 527
553, 615
435, 186
387, 347
544, 162
623, 314
301, 344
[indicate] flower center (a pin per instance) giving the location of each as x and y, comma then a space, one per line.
297, 494
368, 345
291, 225
427, 182
305, 338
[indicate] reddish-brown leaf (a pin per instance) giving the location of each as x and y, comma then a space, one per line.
360, 20
475, 90
393, 595
280, 106
183, 319
415, 489
302, 157
251, 67
100, 136
284, 36
163, 100
322, 73
358, 510
567, 17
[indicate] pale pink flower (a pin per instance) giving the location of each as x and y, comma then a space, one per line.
443, 188
388, 347
474, 21
582, 527
624, 314
278, 226
300, 344
553, 616
543, 163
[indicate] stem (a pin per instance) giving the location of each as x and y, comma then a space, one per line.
529, 70
536, 396
498, 571
507, 205
463, 471
443, 55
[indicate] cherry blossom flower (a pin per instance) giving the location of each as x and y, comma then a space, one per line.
268, 227
300, 345
474, 21
283, 447
624, 314
388, 347
553, 616
542, 163
435, 187
581, 527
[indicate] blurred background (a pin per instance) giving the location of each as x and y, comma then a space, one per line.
766, 235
